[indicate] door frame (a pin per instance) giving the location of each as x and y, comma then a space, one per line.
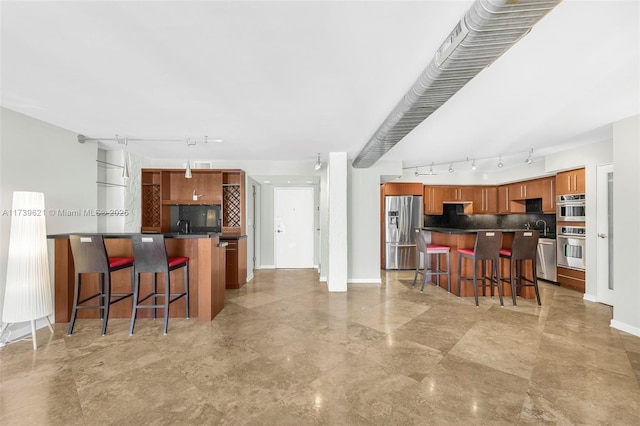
605, 282
312, 217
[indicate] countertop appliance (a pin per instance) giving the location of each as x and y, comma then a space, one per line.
546, 260
570, 207
403, 213
571, 247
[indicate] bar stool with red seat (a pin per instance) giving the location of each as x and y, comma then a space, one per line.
151, 256
428, 249
486, 249
524, 248
90, 256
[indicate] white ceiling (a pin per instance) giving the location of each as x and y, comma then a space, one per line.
286, 80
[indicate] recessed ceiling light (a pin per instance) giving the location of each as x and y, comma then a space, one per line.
267, 181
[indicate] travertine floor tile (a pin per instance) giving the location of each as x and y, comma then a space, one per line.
284, 351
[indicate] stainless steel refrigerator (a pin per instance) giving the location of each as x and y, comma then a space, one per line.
403, 213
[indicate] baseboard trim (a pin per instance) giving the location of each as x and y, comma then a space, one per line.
375, 281
590, 298
618, 325
323, 279
267, 267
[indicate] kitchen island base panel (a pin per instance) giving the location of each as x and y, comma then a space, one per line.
466, 240
206, 285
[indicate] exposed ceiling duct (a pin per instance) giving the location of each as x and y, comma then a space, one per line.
488, 29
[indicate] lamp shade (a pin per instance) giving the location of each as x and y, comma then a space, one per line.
28, 292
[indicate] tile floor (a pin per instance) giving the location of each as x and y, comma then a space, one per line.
286, 352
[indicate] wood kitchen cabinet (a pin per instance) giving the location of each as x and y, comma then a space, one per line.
505, 200
526, 190
485, 200
163, 188
459, 194
570, 182
433, 197
236, 261
549, 195
233, 202
402, 188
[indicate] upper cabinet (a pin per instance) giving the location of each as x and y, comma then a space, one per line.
402, 188
526, 190
459, 194
485, 200
433, 198
549, 195
570, 182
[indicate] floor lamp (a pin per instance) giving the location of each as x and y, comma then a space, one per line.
27, 294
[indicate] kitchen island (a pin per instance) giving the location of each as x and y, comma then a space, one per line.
465, 238
206, 275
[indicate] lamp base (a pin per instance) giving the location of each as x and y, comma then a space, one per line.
5, 327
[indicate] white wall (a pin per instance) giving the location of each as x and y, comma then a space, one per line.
626, 226
37, 156
364, 220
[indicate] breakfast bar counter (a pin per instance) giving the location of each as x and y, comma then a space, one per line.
206, 275
465, 238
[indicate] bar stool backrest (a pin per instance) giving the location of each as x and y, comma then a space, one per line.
525, 245
150, 253
421, 241
488, 245
89, 253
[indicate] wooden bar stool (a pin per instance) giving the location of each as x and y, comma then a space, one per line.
486, 249
90, 256
428, 249
151, 256
524, 248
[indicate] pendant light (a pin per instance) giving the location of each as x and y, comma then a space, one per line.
125, 167
187, 172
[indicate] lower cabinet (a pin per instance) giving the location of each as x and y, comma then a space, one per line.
236, 259
571, 279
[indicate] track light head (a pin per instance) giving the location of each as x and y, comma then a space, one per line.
318, 165
473, 164
451, 168
529, 160
500, 165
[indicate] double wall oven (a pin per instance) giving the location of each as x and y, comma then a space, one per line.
571, 216
571, 247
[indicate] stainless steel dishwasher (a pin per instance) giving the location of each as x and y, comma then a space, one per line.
546, 261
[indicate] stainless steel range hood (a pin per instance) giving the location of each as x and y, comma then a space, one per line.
488, 29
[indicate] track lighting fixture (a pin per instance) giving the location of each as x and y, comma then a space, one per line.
529, 160
472, 162
318, 165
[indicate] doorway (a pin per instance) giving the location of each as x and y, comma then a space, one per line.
294, 227
604, 196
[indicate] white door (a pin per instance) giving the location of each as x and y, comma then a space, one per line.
605, 234
293, 227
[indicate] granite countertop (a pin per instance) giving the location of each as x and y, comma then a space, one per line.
232, 237
458, 231
129, 234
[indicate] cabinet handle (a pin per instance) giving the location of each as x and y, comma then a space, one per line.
569, 182
506, 201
